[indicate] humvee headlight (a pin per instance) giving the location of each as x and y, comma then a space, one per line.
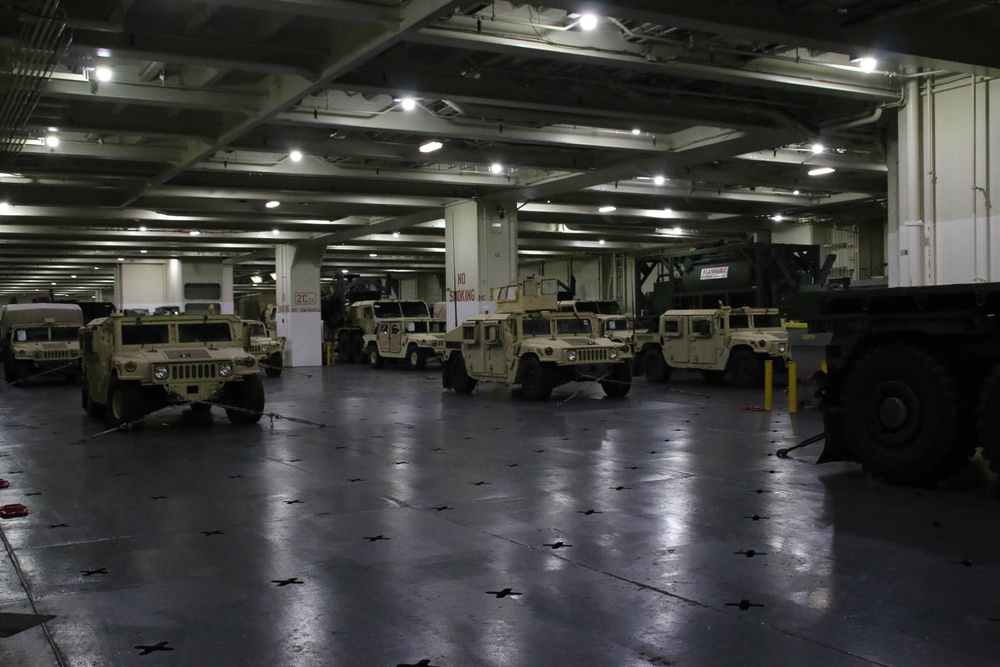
161, 372
613, 354
265, 347
130, 366
225, 369
571, 355
781, 348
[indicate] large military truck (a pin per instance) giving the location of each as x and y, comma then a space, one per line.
413, 338
532, 346
269, 350
717, 342
135, 365
913, 386
38, 338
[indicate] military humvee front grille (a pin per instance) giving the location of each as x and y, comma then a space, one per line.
256, 349
192, 371
58, 354
592, 355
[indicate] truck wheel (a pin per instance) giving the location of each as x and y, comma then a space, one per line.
274, 364
357, 349
619, 381
988, 419
125, 403
375, 360
9, 371
95, 410
535, 381
460, 380
654, 367
901, 416
248, 395
344, 347
416, 359
747, 369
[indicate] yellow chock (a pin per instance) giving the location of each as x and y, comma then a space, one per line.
793, 399
768, 384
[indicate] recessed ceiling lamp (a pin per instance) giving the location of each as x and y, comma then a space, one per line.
194, 232
395, 235
819, 171
296, 156
817, 148
256, 280
121, 259
51, 141
496, 167
373, 254
4, 206
275, 231
795, 192
103, 73
142, 229
53, 283
143, 251
777, 217
636, 130
606, 209
430, 146
408, 104
343, 270
274, 203
73, 276
867, 64
600, 241
588, 21
659, 180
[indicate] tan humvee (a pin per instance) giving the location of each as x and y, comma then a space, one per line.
269, 350
736, 341
529, 344
415, 338
135, 365
615, 324
37, 338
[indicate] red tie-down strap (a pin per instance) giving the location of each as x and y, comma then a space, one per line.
13, 511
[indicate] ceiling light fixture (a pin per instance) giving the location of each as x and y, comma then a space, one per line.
274, 203
430, 146
636, 130
51, 141
867, 64
408, 104
256, 280
600, 241
659, 180
121, 259
588, 21
143, 251
4, 206
73, 276
395, 235
296, 156
343, 270
606, 209
373, 254
142, 229
275, 231
795, 192
103, 73
53, 283
194, 232
817, 148
819, 171
496, 167
777, 217
274, 276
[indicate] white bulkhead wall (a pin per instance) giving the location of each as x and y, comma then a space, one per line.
946, 230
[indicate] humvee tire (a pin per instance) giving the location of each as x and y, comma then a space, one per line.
357, 349
416, 359
125, 402
620, 381
344, 347
535, 382
274, 365
247, 395
459, 376
747, 368
375, 358
95, 410
654, 367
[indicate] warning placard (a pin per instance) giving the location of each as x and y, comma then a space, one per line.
714, 272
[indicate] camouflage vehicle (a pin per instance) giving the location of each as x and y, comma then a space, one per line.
413, 339
362, 318
40, 337
269, 350
529, 344
135, 365
615, 324
736, 341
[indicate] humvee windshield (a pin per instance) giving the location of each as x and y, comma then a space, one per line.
145, 334
599, 307
535, 327
32, 335
417, 327
65, 334
573, 326
401, 309
204, 332
256, 330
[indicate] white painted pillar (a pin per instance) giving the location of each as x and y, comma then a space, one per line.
297, 278
480, 254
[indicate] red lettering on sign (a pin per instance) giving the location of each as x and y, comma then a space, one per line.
462, 295
460, 278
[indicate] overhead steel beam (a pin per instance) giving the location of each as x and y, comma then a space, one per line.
383, 226
846, 161
762, 74
948, 35
335, 10
147, 93
352, 49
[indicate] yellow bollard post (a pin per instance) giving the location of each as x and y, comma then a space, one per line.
768, 384
822, 367
793, 400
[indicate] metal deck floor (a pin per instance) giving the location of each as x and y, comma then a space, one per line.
422, 527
